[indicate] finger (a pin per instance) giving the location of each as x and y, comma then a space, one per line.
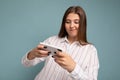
59, 54
58, 58
44, 52
41, 55
40, 46
59, 61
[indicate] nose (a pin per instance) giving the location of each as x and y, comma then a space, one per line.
72, 24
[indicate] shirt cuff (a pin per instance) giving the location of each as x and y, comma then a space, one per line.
26, 62
77, 72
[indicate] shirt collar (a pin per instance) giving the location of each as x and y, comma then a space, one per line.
66, 40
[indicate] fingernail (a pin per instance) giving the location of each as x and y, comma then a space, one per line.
45, 46
49, 52
59, 50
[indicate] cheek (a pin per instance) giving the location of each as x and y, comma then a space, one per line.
77, 26
77, 29
66, 26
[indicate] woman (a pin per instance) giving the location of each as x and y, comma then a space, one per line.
77, 61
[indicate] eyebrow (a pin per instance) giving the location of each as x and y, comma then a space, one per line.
74, 19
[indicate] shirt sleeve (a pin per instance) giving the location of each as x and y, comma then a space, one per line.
27, 63
91, 71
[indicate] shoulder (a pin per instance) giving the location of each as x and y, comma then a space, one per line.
91, 48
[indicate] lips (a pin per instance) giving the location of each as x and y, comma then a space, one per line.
72, 29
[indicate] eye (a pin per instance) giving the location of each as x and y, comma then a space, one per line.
76, 21
67, 21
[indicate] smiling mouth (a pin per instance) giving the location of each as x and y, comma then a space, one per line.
72, 30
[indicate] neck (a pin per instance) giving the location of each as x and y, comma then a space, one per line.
72, 39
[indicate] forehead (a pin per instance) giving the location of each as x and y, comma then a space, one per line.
73, 16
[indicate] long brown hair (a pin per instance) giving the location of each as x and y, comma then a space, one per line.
82, 38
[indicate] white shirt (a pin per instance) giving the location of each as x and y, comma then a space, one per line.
87, 63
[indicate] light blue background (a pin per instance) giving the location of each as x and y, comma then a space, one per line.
24, 23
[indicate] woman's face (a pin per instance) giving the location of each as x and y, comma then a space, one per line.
72, 25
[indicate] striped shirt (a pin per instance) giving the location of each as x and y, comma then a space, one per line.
87, 63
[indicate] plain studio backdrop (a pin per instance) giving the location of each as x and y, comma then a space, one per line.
25, 23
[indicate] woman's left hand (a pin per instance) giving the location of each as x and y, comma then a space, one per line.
64, 60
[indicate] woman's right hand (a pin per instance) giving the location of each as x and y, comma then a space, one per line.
39, 52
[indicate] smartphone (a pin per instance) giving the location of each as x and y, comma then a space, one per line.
51, 48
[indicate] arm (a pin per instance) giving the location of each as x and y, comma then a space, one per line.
77, 72
34, 56
91, 71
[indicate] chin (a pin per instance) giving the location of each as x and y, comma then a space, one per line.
73, 36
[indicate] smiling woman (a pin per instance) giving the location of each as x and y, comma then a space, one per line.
78, 60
